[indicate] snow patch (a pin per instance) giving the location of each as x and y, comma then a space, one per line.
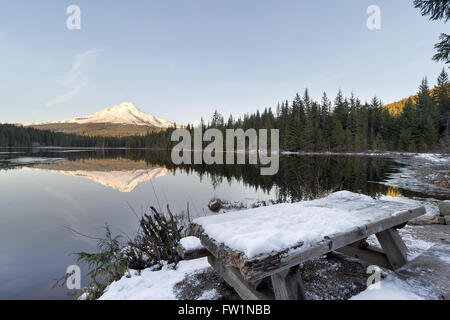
391, 288
209, 295
154, 285
433, 157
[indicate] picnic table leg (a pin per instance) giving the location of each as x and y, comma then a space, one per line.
394, 247
288, 285
367, 253
234, 278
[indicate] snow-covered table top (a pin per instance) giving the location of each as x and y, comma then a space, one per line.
282, 227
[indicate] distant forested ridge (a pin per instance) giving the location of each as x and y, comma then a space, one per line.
419, 123
98, 129
18, 136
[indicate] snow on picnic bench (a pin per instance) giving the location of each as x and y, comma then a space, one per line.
275, 228
191, 243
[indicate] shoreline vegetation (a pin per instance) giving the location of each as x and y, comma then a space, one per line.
281, 151
154, 246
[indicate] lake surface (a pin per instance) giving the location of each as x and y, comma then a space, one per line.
43, 193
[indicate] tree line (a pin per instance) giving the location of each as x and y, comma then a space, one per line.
19, 136
419, 123
347, 124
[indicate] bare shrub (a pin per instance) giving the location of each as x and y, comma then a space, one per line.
156, 241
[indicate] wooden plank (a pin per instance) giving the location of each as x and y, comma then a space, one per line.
234, 278
267, 265
191, 254
259, 269
368, 254
288, 285
394, 247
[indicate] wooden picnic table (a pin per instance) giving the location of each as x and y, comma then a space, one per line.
241, 250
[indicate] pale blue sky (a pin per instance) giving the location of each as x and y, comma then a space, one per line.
179, 60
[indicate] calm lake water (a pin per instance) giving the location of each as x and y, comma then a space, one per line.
43, 192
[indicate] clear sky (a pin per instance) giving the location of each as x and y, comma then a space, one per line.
180, 60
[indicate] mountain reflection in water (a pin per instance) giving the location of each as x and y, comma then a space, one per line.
123, 175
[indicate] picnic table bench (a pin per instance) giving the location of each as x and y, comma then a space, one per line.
250, 247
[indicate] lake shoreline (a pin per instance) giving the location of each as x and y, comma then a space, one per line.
281, 151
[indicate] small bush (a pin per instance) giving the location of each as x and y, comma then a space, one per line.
106, 266
155, 242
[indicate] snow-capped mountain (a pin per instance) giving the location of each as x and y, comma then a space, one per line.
124, 113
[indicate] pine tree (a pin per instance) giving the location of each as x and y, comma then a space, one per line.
357, 146
442, 99
404, 140
341, 109
378, 143
337, 135
430, 132
293, 133
425, 104
324, 110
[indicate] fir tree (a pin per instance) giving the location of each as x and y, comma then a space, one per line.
442, 99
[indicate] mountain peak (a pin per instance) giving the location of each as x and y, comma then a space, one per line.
126, 105
125, 113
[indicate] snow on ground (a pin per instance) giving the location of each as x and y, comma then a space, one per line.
422, 173
209, 295
390, 288
279, 227
191, 243
409, 179
433, 157
415, 245
11, 152
289, 153
156, 285
426, 277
